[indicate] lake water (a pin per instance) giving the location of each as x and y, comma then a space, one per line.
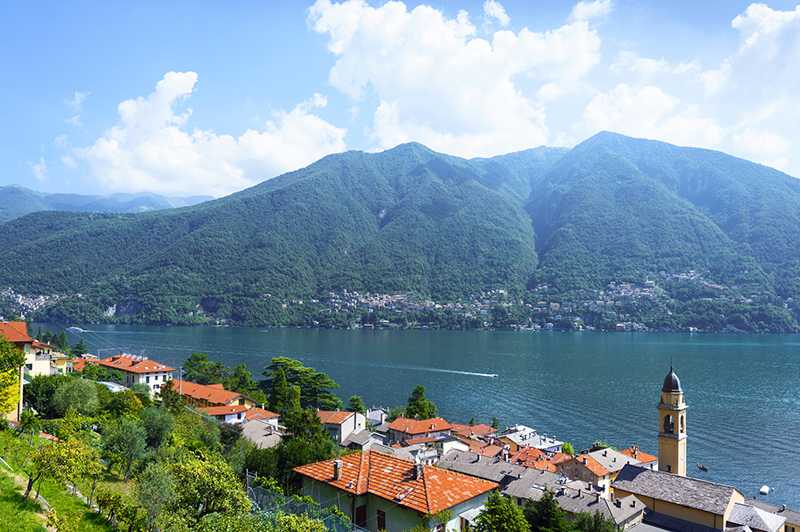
743, 391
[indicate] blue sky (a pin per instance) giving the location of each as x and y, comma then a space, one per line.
185, 98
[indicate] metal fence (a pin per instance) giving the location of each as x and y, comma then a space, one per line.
269, 504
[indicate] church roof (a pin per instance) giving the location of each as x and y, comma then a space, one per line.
672, 383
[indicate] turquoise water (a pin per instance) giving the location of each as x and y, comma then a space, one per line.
743, 391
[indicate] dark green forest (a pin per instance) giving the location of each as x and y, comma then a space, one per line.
413, 221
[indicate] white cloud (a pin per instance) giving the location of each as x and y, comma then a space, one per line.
69, 161
651, 113
439, 84
150, 148
39, 169
760, 142
641, 66
77, 100
61, 141
495, 10
75, 121
588, 10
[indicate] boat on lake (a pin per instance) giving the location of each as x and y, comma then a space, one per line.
702, 467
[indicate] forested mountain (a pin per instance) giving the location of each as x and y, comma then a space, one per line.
412, 220
16, 201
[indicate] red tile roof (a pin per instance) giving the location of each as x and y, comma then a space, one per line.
257, 413
636, 454
472, 430
532, 457
392, 478
214, 394
133, 364
481, 447
15, 331
223, 410
336, 417
414, 441
78, 364
592, 465
413, 426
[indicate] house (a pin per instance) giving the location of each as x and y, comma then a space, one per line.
599, 467
677, 501
261, 415
201, 395
575, 497
16, 332
473, 431
404, 428
792, 516
363, 440
226, 414
520, 435
340, 425
384, 492
477, 465
139, 369
645, 460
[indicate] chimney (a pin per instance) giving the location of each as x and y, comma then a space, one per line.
337, 470
417, 471
618, 503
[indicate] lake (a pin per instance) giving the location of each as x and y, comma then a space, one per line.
743, 391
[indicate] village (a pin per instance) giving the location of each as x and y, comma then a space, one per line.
395, 472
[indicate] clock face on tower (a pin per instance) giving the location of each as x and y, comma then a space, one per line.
681, 459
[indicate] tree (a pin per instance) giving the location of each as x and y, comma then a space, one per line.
472, 422
279, 393
123, 403
11, 360
495, 423
355, 404
205, 485
419, 407
40, 391
545, 514
567, 449
155, 491
128, 440
80, 393
315, 387
201, 370
158, 423
79, 348
597, 522
501, 515
29, 422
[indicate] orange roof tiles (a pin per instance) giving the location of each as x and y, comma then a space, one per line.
213, 394
413, 426
133, 364
481, 447
257, 413
15, 331
336, 417
592, 465
223, 410
532, 457
636, 454
414, 441
472, 430
78, 364
392, 478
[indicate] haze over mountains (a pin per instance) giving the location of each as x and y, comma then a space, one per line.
409, 219
16, 201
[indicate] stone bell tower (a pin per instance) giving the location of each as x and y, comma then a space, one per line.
672, 427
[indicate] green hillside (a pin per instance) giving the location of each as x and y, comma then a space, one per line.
618, 206
410, 220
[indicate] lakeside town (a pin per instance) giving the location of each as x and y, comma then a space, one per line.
397, 469
619, 307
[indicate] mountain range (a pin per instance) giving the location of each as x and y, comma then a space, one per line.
412, 220
16, 201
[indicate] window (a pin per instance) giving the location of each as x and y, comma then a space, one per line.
361, 515
381, 519
147, 380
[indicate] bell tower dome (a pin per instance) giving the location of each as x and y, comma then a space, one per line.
672, 427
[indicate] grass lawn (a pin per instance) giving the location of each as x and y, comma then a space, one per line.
30, 516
